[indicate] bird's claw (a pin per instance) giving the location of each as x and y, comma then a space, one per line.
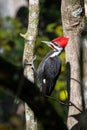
31, 63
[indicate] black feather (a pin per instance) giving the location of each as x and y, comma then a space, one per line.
48, 72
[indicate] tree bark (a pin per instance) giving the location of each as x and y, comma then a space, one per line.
85, 57
28, 55
85, 4
73, 24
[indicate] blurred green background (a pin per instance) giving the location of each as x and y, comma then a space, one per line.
50, 26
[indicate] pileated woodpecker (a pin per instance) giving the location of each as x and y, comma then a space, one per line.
50, 67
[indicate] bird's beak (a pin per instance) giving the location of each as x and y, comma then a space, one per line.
53, 46
50, 44
47, 43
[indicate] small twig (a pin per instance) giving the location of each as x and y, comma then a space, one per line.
66, 104
72, 104
57, 100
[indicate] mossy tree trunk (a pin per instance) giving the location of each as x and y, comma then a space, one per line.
73, 24
28, 55
85, 57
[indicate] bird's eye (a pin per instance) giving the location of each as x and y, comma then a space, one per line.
56, 45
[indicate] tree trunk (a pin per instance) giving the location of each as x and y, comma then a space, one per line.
85, 4
73, 24
28, 55
85, 58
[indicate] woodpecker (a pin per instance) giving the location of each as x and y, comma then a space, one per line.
49, 68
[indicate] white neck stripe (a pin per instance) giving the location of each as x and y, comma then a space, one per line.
55, 53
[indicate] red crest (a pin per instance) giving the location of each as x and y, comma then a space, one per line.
62, 41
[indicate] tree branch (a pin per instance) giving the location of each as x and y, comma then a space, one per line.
28, 55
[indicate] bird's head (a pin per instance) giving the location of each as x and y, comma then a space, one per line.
58, 43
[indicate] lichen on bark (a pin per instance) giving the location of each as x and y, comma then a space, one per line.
30, 38
73, 24
28, 55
